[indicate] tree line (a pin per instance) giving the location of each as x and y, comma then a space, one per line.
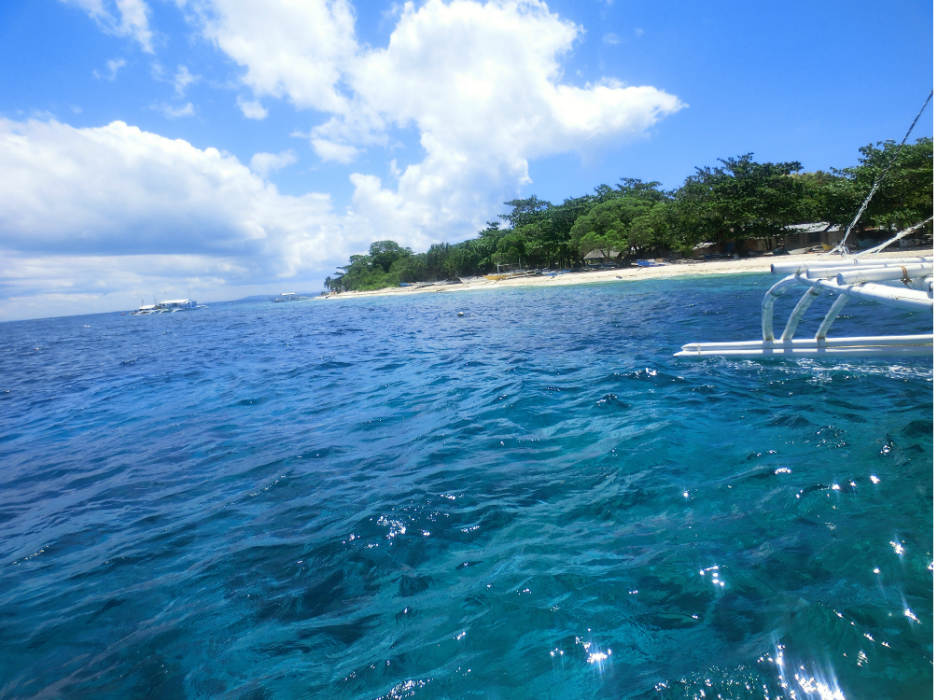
736, 200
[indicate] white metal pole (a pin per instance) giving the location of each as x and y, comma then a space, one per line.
893, 272
768, 302
831, 316
803, 266
895, 296
809, 296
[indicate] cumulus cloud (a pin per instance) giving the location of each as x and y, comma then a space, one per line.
264, 163
482, 83
252, 109
330, 150
101, 210
130, 19
487, 78
611, 39
295, 50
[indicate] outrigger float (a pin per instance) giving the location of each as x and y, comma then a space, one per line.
905, 283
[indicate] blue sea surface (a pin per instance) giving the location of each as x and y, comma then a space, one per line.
379, 498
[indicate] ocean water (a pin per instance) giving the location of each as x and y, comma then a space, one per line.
378, 498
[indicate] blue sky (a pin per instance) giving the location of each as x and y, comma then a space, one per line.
234, 147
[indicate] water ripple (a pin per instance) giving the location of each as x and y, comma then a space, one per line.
380, 499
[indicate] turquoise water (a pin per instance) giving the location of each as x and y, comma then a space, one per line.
377, 498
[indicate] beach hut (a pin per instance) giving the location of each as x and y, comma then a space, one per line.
821, 233
601, 256
705, 248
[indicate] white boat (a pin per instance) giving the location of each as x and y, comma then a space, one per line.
289, 296
173, 305
145, 310
169, 306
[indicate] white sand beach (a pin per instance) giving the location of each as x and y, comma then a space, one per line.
678, 268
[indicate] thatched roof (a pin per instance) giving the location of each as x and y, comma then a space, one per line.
598, 254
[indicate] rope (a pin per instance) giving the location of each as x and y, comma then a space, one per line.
875, 186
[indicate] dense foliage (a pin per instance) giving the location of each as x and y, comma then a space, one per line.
737, 200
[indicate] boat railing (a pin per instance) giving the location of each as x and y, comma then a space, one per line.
905, 283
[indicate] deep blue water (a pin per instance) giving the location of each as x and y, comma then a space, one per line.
376, 498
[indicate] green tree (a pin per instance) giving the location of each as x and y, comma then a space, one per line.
905, 195
826, 197
526, 211
634, 188
607, 226
409, 268
656, 229
385, 253
511, 248
742, 199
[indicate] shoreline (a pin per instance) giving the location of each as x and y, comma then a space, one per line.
680, 268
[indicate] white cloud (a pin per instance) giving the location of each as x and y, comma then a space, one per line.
112, 67
173, 112
184, 78
264, 163
133, 18
54, 285
134, 21
482, 84
611, 39
110, 210
329, 150
289, 49
252, 109
639, 32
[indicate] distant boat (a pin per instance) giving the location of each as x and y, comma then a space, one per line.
288, 296
169, 306
173, 305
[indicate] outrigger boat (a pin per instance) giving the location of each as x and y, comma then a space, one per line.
145, 310
170, 306
504, 272
906, 283
510, 276
902, 282
173, 305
